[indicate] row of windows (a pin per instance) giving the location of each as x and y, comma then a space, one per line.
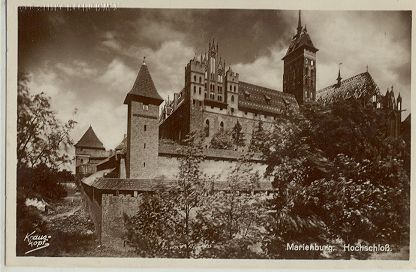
200, 79
231, 88
199, 91
194, 102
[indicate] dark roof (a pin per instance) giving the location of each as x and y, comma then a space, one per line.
261, 99
354, 87
90, 139
300, 40
144, 87
148, 185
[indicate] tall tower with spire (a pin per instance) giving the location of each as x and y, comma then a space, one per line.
299, 71
143, 103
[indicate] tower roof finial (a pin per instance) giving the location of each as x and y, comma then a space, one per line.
339, 74
299, 23
144, 60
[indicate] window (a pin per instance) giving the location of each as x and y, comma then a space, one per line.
245, 113
144, 164
255, 114
200, 103
195, 78
145, 106
199, 90
194, 89
200, 79
145, 128
235, 88
219, 98
207, 128
144, 146
232, 98
232, 110
222, 125
193, 102
231, 88
205, 95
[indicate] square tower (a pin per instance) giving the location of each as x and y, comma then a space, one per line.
142, 127
299, 71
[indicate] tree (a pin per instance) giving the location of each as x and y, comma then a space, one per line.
168, 225
41, 137
42, 142
258, 138
221, 140
338, 178
232, 218
237, 135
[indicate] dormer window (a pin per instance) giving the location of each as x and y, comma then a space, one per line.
267, 99
247, 95
374, 98
145, 107
399, 105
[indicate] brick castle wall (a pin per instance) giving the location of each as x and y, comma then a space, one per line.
113, 233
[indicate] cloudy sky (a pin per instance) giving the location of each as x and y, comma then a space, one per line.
88, 60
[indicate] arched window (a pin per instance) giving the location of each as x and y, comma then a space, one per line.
207, 128
232, 98
222, 125
194, 78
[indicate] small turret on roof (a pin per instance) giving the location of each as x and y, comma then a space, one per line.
90, 140
144, 89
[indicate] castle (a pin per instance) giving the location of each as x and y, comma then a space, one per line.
213, 99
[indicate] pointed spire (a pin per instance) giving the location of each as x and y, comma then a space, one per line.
299, 23
90, 140
144, 88
339, 74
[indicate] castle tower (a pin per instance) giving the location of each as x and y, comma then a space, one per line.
299, 71
232, 90
89, 150
143, 103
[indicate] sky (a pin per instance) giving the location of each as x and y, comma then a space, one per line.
87, 60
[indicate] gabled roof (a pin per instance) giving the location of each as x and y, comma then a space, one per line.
354, 87
90, 139
256, 98
300, 40
144, 88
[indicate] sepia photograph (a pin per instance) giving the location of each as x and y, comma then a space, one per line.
209, 133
